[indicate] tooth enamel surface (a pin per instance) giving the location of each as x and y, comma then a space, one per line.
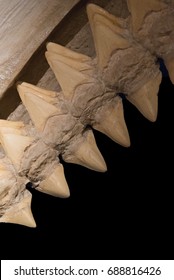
55, 184
60, 124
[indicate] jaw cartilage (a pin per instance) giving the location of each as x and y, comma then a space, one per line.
62, 122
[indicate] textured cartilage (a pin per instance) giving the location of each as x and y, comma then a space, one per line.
153, 26
62, 122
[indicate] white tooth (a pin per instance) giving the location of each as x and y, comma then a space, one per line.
48, 95
39, 110
110, 121
146, 98
86, 153
14, 146
20, 212
55, 184
67, 53
139, 10
107, 32
68, 72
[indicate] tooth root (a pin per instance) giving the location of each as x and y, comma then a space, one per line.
169, 63
107, 33
47, 95
146, 98
55, 184
39, 110
139, 10
87, 154
66, 69
14, 145
110, 121
20, 213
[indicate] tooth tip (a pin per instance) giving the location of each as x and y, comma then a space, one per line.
55, 184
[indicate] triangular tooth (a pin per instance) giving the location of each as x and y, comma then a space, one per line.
86, 153
39, 110
169, 63
110, 121
48, 95
14, 145
139, 10
65, 52
20, 213
67, 69
107, 32
55, 184
146, 98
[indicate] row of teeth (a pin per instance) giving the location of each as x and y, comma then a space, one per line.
61, 122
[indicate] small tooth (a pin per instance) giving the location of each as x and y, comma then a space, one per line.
87, 154
68, 72
146, 98
14, 145
39, 110
48, 95
111, 122
20, 213
107, 33
55, 184
169, 63
139, 10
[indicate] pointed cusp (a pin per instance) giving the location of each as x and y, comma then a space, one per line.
39, 109
86, 153
146, 98
110, 121
139, 10
55, 184
68, 66
107, 32
20, 212
13, 141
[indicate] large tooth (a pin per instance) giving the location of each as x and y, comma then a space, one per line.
110, 121
139, 10
69, 72
48, 95
86, 153
20, 213
146, 98
55, 184
39, 110
107, 33
169, 63
14, 143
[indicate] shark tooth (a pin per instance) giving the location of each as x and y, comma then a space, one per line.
39, 109
110, 121
20, 212
47, 95
140, 9
65, 52
146, 98
86, 153
66, 68
107, 33
169, 63
55, 184
14, 143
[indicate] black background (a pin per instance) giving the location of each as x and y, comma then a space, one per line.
125, 213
